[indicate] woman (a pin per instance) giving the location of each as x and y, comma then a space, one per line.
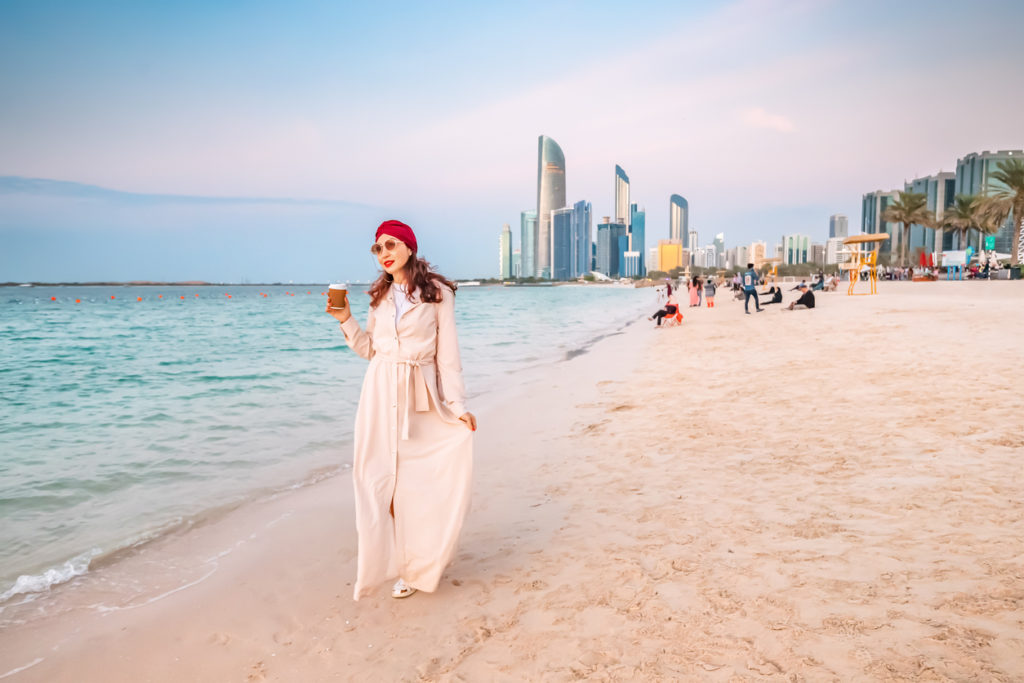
694, 286
670, 309
413, 435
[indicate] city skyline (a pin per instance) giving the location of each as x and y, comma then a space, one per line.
298, 114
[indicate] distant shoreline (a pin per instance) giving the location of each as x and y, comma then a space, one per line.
187, 283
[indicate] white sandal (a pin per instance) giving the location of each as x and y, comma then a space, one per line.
401, 590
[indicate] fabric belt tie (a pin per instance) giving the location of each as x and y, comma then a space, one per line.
410, 374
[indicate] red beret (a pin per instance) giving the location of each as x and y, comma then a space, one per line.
398, 230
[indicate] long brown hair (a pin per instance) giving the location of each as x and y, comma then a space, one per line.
421, 279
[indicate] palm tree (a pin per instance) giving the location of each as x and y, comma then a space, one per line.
963, 215
1008, 201
909, 208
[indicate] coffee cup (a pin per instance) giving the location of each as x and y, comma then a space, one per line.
337, 296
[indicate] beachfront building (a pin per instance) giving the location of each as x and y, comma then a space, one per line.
652, 259
631, 264
550, 196
621, 197
505, 253
581, 242
670, 255
609, 246
795, 249
872, 206
561, 245
838, 226
528, 243
637, 228
691, 241
517, 263
679, 220
939, 189
973, 176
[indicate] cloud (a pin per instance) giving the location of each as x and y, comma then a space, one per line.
759, 118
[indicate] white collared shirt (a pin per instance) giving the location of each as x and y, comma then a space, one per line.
402, 301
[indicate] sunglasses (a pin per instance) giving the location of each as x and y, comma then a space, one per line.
388, 244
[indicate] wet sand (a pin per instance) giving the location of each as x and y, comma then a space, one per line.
833, 494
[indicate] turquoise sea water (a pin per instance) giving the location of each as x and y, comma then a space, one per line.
123, 419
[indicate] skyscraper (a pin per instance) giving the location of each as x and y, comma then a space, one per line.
608, 246
679, 220
838, 226
637, 228
561, 244
505, 253
550, 196
691, 242
528, 243
671, 255
581, 239
621, 197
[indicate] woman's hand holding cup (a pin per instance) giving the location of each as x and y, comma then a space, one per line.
337, 303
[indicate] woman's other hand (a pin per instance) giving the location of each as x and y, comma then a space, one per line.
339, 314
469, 420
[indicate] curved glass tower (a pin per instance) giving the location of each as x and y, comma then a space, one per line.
679, 220
621, 196
550, 196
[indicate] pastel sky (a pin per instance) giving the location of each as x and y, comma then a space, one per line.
262, 140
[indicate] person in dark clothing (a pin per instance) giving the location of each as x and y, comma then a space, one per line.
750, 281
806, 299
776, 296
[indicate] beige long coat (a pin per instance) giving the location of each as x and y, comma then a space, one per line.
410, 447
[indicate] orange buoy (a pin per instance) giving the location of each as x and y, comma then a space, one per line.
78, 301
182, 296
308, 292
197, 295
139, 299
229, 296
111, 296
159, 296
53, 298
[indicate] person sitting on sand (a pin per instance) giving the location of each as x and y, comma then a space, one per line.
806, 299
670, 309
803, 283
776, 296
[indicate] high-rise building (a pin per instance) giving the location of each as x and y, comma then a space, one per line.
838, 226
621, 196
637, 228
671, 255
561, 244
757, 253
872, 207
608, 246
528, 243
720, 243
631, 264
742, 256
939, 190
974, 176
517, 263
833, 247
581, 240
550, 196
505, 253
652, 259
679, 220
795, 249
818, 254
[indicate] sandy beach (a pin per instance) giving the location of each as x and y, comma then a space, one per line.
825, 495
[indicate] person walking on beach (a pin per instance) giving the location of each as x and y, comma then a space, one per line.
750, 281
709, 291
693, 286
413, 450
